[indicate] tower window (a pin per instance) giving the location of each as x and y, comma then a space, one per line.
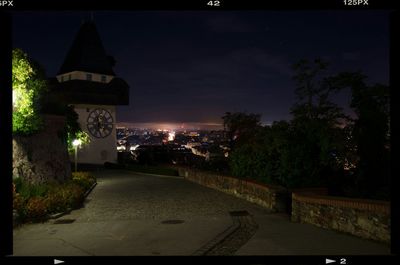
103, 78
89, 77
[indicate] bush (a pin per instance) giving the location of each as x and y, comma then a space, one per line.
55, 201
83, 179
261, 157
18, 203
73, 194
61, 198
218, 164
34, 202
28, 190
36, 208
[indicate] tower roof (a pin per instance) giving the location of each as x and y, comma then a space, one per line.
87, 53
116, 92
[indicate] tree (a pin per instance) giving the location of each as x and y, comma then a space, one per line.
28, 84
261, 158
240, 127
315, 136
370, 133
315, 147
313, 92
302, 152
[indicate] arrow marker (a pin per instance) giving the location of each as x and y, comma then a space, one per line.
56, 261
327, 261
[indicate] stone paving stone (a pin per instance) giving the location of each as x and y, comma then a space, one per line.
124, 215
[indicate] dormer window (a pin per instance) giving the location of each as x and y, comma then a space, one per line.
89, 77
103, 78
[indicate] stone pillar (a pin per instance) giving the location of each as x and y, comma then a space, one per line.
43, 157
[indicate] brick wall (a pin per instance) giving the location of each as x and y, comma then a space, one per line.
364, 218
271, 197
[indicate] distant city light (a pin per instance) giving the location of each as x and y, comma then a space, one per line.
121, 148
194, 133
133, 148
171, 136
175, 139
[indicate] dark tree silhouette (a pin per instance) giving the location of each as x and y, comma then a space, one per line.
370, 132
320, 146
240, 127
316, 136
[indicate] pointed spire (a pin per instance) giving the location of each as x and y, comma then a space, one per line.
87, 53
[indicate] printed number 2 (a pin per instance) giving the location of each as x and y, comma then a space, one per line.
213, 3
343, 261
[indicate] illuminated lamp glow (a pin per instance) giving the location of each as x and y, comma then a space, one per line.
76, 142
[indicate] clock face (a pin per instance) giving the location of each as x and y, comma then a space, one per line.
100, 123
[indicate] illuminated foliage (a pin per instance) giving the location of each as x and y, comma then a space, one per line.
28, 84
80, 135
73, 129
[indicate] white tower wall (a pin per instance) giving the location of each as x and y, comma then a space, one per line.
99, 150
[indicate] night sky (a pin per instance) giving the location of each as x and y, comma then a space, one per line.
192, 67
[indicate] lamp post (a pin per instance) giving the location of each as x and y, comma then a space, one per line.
76, 143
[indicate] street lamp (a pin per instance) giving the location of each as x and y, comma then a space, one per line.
76, 143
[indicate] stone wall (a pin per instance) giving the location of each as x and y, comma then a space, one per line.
271, 197
364, 218
42, 157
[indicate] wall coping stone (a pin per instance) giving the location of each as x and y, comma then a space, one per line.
360, 204
242, 181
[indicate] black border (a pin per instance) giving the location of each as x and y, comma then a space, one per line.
186, 260
75, 5
194, 5
393, 80
6, 227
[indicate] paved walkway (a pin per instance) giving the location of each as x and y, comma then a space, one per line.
137, 214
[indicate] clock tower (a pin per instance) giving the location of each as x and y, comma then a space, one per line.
87, 81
